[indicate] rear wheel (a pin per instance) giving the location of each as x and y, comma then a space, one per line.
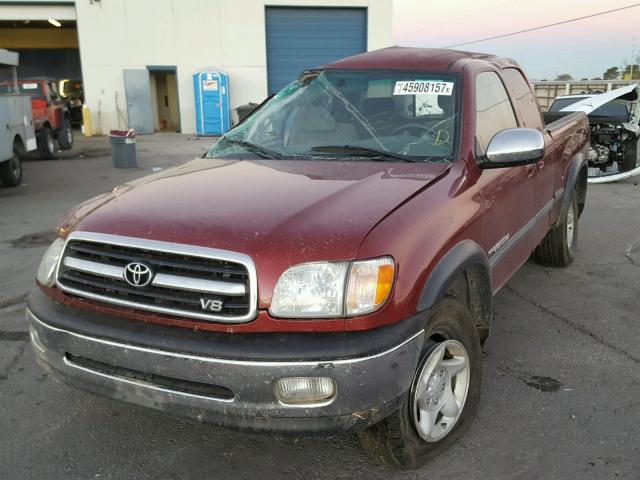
558, 247
444, 395
46, 143
65, 135
11, 170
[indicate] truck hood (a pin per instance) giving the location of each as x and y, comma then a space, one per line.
280, 212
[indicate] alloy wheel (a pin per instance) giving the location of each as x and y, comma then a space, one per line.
440, 390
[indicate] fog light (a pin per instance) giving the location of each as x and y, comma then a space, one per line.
304, 390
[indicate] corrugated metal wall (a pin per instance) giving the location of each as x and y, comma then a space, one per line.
300, 38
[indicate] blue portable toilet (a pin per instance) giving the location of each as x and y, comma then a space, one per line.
211, 91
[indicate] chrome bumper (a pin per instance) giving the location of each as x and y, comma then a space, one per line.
368, 388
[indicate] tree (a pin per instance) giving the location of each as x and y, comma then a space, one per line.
564, 77
612, 73
584, 79
636, 71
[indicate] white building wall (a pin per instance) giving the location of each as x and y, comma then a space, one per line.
192, 35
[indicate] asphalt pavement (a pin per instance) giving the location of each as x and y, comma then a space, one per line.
561, 388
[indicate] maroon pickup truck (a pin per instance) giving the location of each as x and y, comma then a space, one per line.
330, 264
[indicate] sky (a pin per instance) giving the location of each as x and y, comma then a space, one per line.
584, 49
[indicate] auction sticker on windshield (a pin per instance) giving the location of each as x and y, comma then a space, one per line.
413, 87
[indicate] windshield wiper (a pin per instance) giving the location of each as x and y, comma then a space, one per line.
253, 148
371, 153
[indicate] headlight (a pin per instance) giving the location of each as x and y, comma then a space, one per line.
321, 290
310, 290
47, 270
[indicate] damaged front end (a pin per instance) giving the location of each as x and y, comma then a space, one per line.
614, 119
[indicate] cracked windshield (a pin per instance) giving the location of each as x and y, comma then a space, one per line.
364, 114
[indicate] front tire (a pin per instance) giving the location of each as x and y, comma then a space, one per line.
444, 394
65, 135
11, 170
558, 247
46, 143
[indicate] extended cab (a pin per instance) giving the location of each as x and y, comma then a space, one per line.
330, 264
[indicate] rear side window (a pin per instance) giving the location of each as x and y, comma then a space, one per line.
493, 109
523, 98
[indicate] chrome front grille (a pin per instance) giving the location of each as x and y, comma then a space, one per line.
184, 280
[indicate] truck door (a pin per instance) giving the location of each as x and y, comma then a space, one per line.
540, 190
506, 192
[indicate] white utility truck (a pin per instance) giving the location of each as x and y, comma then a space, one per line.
17, 135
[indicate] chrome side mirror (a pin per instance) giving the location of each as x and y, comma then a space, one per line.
513, 147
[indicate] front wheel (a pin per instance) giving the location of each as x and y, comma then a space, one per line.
444, 394
65, 135
11, 170
46, 143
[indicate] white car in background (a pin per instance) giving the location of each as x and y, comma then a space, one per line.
614, 118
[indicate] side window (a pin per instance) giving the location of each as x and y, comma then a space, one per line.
523, 98
493, 109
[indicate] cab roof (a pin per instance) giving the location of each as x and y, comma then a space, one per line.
409, 58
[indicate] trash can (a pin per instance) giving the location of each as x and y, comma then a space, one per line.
123, 148
245, 110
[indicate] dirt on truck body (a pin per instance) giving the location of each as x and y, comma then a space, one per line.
329, 266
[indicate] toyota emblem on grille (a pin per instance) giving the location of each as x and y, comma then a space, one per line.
137, 274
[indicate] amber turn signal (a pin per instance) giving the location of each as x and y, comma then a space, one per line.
369, 285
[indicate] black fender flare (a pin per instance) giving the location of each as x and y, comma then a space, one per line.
462, 257
64, 115
578, 162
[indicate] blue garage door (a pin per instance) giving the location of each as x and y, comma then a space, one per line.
301, 38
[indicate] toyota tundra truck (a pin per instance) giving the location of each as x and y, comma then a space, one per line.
329, 265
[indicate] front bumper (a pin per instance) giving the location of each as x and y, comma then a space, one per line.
150, 370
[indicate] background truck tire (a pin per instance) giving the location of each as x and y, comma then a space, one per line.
65, 135
46, 143
558, 247
11, 170
630, 157
396, 440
